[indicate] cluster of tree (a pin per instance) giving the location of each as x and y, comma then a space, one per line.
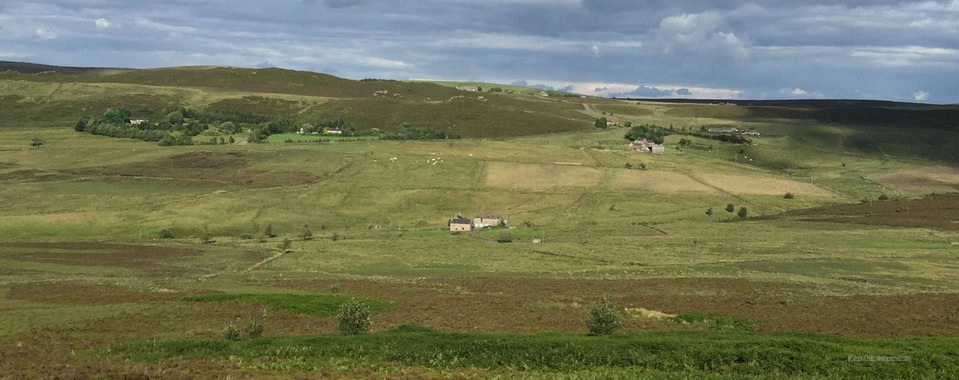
273, 127
651, 132
409, 132
177, 127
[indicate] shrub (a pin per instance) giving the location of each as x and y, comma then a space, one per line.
208, 238
603, 318
505, 237
165, 234
335, 287
36, 143
269, 231
527, 223
629, 165
232, 140
730, 208
286, 245
231, 333
642, 166
255, 326
743, 213
354, 318
883, 197
335, 236
709, 211
600, 123
246, 236
789, 196
306, 234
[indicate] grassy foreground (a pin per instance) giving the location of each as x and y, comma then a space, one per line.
733, 354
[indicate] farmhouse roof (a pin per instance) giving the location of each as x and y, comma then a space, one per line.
460, 219
490, 216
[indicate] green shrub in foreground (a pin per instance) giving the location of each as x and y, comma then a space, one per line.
603, 318
165, 234
354, 318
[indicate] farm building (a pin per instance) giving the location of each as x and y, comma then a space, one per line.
751, 132
723, 130
332, 131
381, 93
482, 221
468, 88
137, 121
610, 123
646, 146
460, 223
543, 93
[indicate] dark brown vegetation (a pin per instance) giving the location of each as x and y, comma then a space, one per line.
149, 259
205, 166
536, 305
939, 212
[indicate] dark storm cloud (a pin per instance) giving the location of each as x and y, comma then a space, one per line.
901, 50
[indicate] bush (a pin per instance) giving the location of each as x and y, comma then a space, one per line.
709, 211
36, 143
269, 231
335, 287
642, 166
505, 237
603, 318
255, 326
246, 236
730, 208
231, 333
306, 234
335, 236
883, 197
354, 318
743, 213
208, 239
286, 245
789, 196
165, 234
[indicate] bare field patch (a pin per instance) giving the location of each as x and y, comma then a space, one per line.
150, 259
205, 166
925, 180
657, 181
939, 212
534, 176
73, 293
535, 305
740, 184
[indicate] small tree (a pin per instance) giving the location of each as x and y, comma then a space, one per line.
165, 234
222, 141
354, 318
709, 211
306, 234
335, 236
81, 125
36, 143
730, 208
601, 123
789, 196
603, 318
335, 287
743, 213
883, 197
629, 165
269, 231
231, 333
642, 166
505, 237
232, 140
255, 325
208, 238
286, 245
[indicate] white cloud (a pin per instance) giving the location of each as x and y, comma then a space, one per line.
102, 23
796, 91
386, 63
920, 96
46, 34
699, 34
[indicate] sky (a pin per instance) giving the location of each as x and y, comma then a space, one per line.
776, 49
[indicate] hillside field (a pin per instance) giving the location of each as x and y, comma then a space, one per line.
794, 288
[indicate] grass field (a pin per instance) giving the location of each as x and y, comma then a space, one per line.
88, 289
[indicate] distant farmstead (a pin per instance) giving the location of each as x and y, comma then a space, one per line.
468, 88
137, 120
646, 146
460, 223
483, 221
751, 132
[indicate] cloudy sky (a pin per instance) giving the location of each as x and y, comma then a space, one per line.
897, 50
